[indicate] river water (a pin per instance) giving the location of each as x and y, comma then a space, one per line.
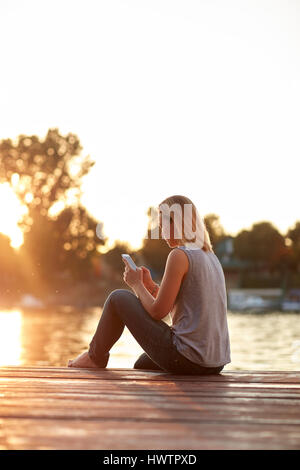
261, 341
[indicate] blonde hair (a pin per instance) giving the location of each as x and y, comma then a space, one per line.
202, 238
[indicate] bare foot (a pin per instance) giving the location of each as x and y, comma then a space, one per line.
82, 361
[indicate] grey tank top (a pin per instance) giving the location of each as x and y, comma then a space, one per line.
199, 315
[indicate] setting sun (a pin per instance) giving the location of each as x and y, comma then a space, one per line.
10, 213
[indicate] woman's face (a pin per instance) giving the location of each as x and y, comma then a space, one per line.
171, 241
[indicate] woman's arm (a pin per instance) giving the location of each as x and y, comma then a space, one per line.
155, 290
145, 297
176, 267
148, 282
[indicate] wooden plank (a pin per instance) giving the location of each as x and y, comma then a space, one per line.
135, 374
174, 411
171, 389
79, 434
199, 398
65, 408
147, 385
217, 394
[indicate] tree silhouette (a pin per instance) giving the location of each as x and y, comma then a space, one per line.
9, 267
214, 228
263, 245
46, 174
293, 234
113, 257
64, 244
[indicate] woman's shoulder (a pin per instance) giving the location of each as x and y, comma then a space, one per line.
199, 257
192, 250
178, 253
179, 257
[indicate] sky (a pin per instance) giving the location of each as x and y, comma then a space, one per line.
199, 98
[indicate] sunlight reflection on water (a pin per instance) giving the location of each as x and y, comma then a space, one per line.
10, 337
268, 341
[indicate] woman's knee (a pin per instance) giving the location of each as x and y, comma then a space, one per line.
139, 363
120, 294
122, 301
145, 362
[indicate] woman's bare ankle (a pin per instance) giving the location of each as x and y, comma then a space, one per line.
82, 361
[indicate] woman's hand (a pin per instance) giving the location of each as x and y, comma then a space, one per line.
147, 279
148, 282
132, 277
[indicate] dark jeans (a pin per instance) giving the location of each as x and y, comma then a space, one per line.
122, 308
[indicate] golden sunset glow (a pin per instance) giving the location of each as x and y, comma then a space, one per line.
11, 210
187, 117
10, 337
107, 109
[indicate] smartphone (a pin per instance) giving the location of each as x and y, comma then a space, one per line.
129, 261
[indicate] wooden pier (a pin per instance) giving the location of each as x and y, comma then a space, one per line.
65, 408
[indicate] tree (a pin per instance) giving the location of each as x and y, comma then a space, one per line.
113, 256
214, 228
293, 234
46, 174
263, 245
64, 244
9, 265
